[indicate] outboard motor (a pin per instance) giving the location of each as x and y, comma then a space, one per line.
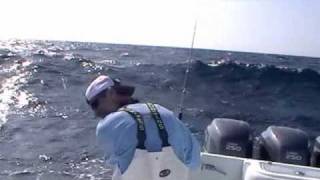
285, 145
315, 158
229, 137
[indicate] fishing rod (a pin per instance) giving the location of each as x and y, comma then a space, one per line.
187, 72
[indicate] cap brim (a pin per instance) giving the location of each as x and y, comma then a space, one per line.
124, 90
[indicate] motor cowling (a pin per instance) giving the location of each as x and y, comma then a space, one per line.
315, 157
229, 137
285, 145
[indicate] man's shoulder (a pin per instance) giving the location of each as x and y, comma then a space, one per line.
165, 111
115, 119
142, 107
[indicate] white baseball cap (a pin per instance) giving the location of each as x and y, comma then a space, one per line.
104, 82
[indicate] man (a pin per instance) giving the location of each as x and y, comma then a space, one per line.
143, 141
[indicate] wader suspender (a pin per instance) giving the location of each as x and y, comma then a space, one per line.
162, 130
141, 135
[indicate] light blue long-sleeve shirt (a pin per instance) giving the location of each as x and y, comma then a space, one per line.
117, 135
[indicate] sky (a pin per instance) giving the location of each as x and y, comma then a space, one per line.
288, 27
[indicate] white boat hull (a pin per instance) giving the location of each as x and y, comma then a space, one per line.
220, 167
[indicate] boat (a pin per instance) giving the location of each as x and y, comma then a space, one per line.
278, 153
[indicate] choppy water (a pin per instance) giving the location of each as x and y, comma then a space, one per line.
48, 132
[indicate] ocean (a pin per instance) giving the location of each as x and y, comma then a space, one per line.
48, 131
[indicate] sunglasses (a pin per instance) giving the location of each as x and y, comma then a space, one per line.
94, 104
